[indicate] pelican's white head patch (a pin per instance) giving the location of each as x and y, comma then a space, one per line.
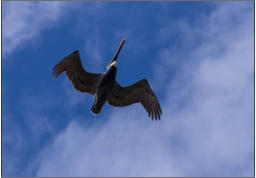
114, 63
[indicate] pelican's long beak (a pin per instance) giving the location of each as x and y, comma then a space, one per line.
118, 50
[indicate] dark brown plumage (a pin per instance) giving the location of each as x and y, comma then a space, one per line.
111, 91
82, 80
139, 92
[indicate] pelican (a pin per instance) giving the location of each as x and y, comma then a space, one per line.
104, 87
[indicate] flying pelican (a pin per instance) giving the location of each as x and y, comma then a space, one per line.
104, 86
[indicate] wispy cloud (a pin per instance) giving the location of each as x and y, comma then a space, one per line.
93, 53
25, 132
24, 21
207, 124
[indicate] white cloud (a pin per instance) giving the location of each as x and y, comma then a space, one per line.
207, 124
15, 137
93, 54
24, 21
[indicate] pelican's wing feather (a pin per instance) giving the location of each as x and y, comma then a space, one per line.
81, 79
138, 92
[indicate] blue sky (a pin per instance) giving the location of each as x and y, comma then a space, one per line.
197, 57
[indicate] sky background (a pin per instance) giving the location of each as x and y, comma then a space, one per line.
197, 56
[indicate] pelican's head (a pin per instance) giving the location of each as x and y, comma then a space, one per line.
114, 63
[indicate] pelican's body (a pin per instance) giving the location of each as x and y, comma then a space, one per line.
104, 86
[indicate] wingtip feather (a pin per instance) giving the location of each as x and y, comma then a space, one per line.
56, 71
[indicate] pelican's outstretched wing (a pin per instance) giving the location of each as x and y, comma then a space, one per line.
138, 92
81, 80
